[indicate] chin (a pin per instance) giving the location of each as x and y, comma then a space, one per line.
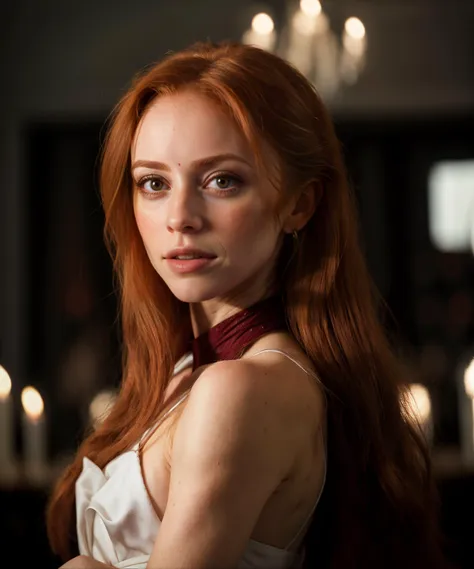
194, 292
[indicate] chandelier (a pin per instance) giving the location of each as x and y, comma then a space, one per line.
309, 43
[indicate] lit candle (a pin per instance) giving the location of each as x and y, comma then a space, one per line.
6, 427
262, 33
466, 414
418, 407
100, 406
354, 47
309, 19
34, 435
312, 46
301, 36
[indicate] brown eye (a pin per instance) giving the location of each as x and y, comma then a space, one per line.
153, 185
222, 182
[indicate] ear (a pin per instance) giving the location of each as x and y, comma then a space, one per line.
303, 209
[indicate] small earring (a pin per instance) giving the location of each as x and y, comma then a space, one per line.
294, 235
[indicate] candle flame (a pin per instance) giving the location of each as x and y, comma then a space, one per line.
354, 28
469, 380
5, 384
262, 24
418, 402
100, 406
32, 402
310, 7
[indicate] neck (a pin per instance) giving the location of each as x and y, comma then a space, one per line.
205, 315
231, 337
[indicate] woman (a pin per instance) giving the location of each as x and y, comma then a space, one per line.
234, 238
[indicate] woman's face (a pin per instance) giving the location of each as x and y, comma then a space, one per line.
206, 218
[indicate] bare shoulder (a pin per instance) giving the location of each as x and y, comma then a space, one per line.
265, 400
232, 449
236, 442
236, 392
235, 409
250, 389
239, 383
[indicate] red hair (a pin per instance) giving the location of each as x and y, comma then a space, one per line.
379, 498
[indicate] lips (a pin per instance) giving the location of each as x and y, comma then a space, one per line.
189, 257
188, 254
186, 266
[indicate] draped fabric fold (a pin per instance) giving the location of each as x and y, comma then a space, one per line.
117, 525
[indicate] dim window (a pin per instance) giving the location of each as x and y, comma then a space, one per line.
451, 205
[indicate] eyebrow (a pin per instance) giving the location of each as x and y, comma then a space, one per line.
201, 163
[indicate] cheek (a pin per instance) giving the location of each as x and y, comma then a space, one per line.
249, 226
147, 223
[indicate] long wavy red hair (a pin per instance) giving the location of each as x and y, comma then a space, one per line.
378, 507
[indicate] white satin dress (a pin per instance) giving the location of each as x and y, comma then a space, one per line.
117, 524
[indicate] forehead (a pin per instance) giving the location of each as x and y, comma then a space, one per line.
187, 124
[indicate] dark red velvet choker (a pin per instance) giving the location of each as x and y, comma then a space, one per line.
229, 339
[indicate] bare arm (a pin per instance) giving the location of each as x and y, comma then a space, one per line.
230, 453
84, 562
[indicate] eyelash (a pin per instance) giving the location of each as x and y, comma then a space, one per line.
237, 182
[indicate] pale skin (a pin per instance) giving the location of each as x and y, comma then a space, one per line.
244, 461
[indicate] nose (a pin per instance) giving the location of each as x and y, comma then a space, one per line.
184, 215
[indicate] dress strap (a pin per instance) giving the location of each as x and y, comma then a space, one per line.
184, 362
295, 361
149, 432
322, 434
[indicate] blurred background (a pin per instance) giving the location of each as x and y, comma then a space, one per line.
398, 76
